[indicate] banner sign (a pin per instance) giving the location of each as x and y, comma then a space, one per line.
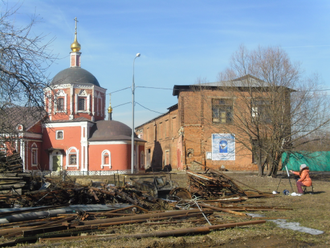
223, 146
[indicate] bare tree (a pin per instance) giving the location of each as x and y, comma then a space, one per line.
277, 107
24, 60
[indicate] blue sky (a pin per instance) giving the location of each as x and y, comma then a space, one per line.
179, 41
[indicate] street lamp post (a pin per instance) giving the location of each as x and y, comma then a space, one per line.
133, 103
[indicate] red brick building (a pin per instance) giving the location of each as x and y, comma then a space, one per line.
196, 129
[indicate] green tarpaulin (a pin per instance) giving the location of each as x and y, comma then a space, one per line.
316, 161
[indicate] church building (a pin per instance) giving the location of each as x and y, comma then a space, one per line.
75, 136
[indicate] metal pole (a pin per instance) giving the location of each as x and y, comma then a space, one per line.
133, 103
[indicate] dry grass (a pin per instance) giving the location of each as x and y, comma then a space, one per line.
310, 210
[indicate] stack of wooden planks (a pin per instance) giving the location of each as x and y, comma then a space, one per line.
12, 163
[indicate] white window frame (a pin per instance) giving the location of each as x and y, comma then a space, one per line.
34, 148
61, 94
105, 152
83, 94
56, 137
70, 151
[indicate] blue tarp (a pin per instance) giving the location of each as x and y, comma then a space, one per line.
316, 161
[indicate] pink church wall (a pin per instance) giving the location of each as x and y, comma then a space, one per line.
120, 157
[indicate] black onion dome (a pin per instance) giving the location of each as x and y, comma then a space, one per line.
111, 130
75, 75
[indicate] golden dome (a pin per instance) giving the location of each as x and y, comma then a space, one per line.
75, 46
109, 110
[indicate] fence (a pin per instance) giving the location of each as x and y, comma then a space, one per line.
77, 173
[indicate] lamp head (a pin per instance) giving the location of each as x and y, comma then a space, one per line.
138, 55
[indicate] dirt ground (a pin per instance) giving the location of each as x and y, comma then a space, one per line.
310, 210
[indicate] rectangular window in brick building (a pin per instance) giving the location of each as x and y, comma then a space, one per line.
60, 104
222, 110
174, 127
161, 131
81, 103
261, 109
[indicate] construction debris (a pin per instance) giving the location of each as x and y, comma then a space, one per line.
157, 186
64, 193
213, 184
53, 209
65, 224
12, 163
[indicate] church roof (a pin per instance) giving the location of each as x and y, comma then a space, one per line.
27, 116
111, 130
74, 75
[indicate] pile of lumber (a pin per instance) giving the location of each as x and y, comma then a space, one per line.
14, 183
213, 184
12, 163
63, 193
69, 226
56, 224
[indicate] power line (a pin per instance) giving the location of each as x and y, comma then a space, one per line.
119, 90
146, 87
137, 102
122, 104
140, 105
153, 88
149, 109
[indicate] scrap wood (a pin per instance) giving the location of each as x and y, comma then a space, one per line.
221, 182
61, 194
221, 209
228, 199
141, 216
116, 221
33, 209
27, 230
59, 229
257, 208
174, 222
25, 223
122, 209
212, 184
176, 232
42, 240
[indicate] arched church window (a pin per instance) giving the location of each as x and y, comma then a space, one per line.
72, 157
106, 159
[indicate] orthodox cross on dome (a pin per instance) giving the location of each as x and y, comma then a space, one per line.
75, 46
75, 20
